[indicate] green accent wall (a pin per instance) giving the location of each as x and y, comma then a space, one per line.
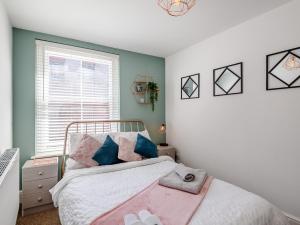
131, 65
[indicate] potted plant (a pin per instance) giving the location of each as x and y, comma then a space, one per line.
153, 92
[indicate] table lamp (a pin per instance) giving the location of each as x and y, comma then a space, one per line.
162, 130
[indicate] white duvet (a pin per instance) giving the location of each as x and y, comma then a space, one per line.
84, 194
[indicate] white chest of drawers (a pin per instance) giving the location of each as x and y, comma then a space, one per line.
38, 177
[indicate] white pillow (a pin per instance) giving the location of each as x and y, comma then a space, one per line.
131, 136
71, 164
75, 139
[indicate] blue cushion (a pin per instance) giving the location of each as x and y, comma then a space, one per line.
107, 154
145, 147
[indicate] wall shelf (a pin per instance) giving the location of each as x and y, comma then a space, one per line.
140, 90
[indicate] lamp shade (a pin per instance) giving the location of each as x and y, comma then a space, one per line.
292, 63
162, 128
176, 7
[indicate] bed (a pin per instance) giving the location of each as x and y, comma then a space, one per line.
84, 194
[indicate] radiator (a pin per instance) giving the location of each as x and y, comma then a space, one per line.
9, 186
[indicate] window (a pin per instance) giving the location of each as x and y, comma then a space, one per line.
72, 84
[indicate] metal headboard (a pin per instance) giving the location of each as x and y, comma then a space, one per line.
99, 126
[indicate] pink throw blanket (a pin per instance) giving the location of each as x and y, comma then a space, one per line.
172, 206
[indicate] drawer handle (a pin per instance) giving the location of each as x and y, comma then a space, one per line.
40, 186
41, 173
40, 199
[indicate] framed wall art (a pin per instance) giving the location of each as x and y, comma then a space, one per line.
190, 86
283, 69
228, 80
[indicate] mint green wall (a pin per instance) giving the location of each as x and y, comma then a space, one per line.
131, 64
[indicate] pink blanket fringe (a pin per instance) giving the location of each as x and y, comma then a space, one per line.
172, 206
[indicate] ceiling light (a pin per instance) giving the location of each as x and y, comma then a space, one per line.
176, 7
291, 63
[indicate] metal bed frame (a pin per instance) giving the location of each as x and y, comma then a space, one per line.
98, 126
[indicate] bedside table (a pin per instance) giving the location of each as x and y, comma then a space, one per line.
167, 150
38, 177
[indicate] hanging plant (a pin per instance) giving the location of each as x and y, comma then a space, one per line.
153, 91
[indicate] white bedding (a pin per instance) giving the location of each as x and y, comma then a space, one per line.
84, 194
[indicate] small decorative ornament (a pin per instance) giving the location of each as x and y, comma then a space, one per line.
153, 92
176, 7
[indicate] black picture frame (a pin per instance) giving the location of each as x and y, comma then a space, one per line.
196, 92
238, 81
270, 74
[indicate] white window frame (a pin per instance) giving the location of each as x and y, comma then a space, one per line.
42, 79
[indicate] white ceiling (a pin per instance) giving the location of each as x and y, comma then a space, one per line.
135, 25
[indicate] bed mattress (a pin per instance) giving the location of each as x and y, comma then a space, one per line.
85, 194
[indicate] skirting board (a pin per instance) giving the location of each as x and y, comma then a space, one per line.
292, 219
20, 195
293, 222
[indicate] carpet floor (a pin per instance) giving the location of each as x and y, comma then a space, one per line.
49, 217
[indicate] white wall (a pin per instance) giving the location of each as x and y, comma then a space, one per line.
251, 140
5, 81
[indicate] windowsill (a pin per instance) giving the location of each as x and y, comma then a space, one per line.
47, 155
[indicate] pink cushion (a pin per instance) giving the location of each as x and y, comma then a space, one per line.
126, 150
86, 150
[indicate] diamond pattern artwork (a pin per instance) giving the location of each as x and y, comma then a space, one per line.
190, 86
228, 80
283, 70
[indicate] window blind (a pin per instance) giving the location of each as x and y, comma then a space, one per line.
72, 84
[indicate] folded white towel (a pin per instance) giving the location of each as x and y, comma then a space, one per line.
132, 219
149, 219
187, 174
172, 180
